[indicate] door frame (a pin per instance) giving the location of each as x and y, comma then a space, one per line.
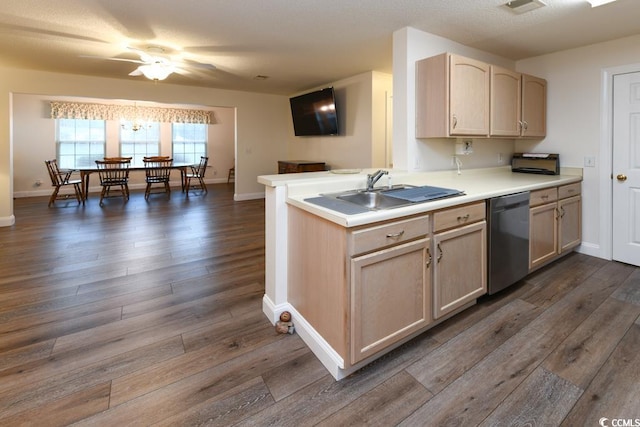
606, 156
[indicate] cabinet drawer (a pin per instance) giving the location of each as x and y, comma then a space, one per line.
546, 195
458, 216
569, 190
371, 238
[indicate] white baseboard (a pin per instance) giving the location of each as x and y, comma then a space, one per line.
247, 196
591, 249
7, 221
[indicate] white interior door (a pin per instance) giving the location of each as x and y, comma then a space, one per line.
626, 168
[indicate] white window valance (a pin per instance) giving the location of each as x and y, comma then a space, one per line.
81, 110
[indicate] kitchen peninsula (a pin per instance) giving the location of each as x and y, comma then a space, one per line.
360, 285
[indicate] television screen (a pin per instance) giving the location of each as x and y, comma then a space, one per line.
314, 113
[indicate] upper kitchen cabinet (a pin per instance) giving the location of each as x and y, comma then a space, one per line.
506, 102
534, 107
452, 97
458, 97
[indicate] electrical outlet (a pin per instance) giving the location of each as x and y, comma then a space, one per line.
467, 146
590, 162
500, 158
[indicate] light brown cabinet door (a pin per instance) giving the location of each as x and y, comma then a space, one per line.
469, 96
506, 100
534, 106
460, 267
390, 297
570, 225
543, 234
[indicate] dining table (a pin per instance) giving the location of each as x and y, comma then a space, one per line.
85, 173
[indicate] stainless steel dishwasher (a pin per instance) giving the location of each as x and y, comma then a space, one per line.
507, 240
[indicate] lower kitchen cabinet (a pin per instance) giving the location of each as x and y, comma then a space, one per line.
460, 252
555, 223
362, 289
390, 296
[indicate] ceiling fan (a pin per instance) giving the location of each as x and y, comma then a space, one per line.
156, 63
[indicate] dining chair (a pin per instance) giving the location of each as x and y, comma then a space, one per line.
232, 174
157, 170
197, 172
61, 178
114, 173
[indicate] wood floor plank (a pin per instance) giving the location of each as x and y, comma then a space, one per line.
65, 411
53, 384
381, 405
326, 396
630, 289
291, 377
226, 408
223, 343
474, 395
614, 391
543, 399
586, 349
438, 369
179, 396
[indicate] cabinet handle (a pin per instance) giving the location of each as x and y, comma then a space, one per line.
544, 196
429, 258
557, 213
395, 235
455, 121
463, 218
521, 124
439, 253
525, 125
562, 212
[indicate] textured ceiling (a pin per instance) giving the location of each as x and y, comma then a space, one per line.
296, 44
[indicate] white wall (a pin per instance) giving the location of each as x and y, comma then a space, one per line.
575, 108
34, 132
360, 104
262, 120
410, 153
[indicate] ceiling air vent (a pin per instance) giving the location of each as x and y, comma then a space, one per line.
523, 6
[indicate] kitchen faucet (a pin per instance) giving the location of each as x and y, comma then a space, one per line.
373, 178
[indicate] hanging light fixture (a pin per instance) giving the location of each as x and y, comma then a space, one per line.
154, 67
157, 70
135, 124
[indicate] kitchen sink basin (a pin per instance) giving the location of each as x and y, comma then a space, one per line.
372, 200
381, 198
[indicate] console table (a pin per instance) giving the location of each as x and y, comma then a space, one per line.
295, 166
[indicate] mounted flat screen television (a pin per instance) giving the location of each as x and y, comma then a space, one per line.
314, 113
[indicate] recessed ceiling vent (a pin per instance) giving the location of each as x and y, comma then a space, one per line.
522, 6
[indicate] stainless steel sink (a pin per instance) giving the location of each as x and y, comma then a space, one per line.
372, 200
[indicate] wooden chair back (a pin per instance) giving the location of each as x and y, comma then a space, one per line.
157, 168
113, 172
201, 168
58, 178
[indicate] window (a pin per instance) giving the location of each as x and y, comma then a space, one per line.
139, 143
79, 142
189, 142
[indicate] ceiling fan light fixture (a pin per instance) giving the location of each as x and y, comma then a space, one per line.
156, 71
596, 3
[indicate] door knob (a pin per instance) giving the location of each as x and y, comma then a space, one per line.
621, 177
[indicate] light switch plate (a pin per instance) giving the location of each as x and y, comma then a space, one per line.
590, 162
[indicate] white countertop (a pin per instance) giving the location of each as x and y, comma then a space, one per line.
478, 184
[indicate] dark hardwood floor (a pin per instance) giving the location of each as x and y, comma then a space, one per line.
150, 313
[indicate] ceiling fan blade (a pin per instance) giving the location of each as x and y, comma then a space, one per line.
104, 58
196, 64
136, 72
